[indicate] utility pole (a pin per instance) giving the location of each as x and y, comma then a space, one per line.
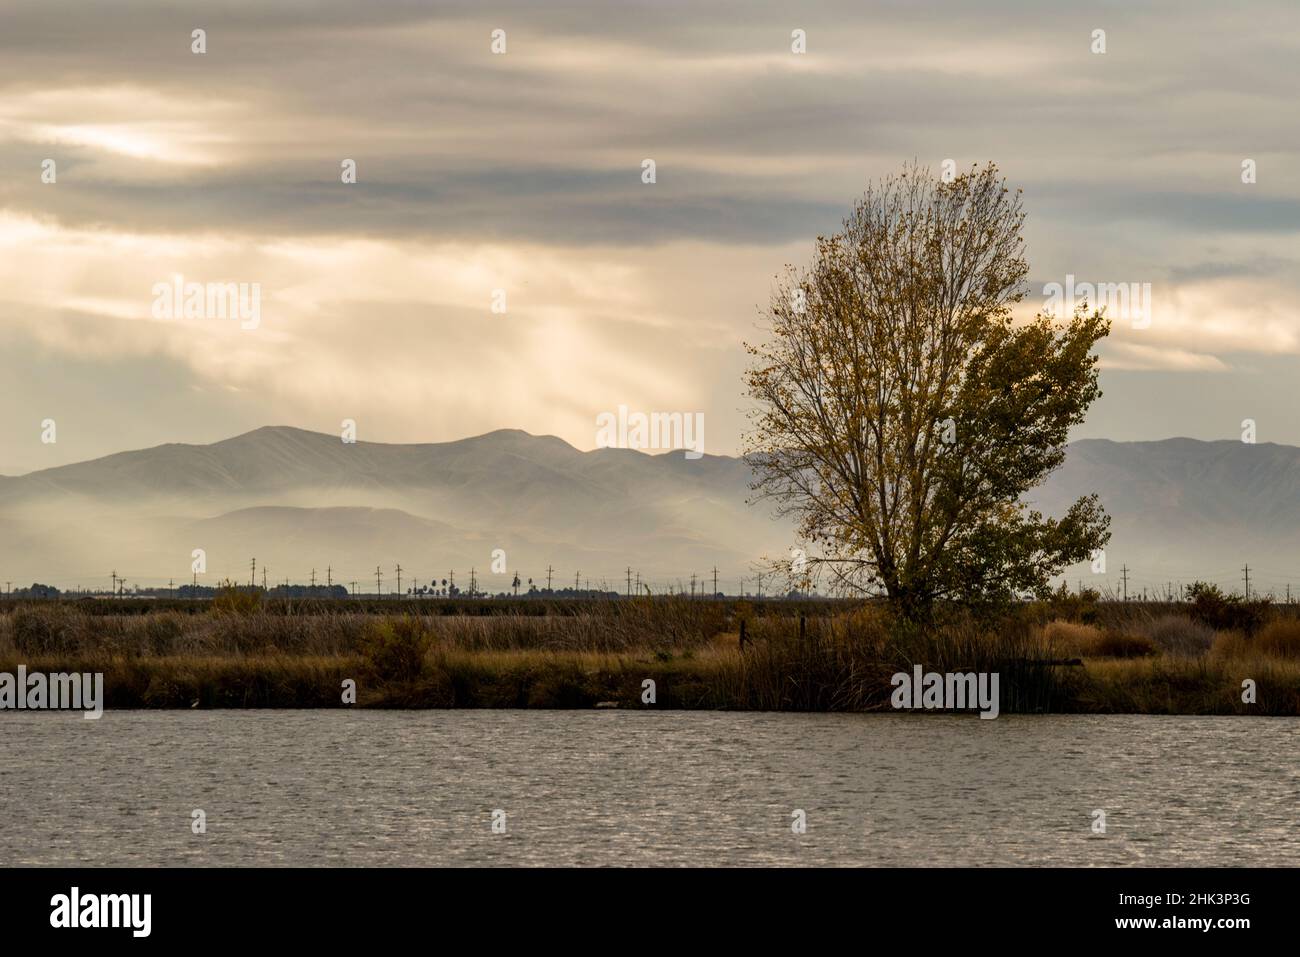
399, 579
354, 589
1124, 575
577, 578
329, 577
313, 579
1247, 571
379, 578
549, 570
715, 581
252, 575
629, 581
171, 587
113, 589
692, 584
286, 581
473, 584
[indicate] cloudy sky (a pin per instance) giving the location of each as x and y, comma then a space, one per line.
523, 172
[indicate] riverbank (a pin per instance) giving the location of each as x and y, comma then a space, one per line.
677, 655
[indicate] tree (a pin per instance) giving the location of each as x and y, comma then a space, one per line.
1211, 607
901, 413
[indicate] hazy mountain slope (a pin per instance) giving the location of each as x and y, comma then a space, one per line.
298, 499
1182, 508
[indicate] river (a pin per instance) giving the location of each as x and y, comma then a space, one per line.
645, 788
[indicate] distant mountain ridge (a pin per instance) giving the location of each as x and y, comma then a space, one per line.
298, 499
1184, 508
536, 497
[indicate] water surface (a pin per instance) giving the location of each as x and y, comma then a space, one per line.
639, 787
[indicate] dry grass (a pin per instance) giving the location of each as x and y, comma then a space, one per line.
1181, 685
1280, 639
1118, 644
1160, 663
1072, 638
614, 626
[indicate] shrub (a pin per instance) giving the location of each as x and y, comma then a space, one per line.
1118, 644
395, 647
1066, 605
160, 633
49, 629
233, 600
1223, 612
1177, 635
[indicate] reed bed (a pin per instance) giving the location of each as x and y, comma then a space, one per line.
1149, 661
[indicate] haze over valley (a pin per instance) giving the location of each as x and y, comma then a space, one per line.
297, 500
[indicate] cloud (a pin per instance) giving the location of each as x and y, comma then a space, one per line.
1134, 356
522, 172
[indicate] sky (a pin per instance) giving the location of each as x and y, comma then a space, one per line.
521, 172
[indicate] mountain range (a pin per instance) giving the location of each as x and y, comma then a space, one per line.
298, 500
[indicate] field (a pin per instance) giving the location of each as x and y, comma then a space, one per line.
1061, 656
